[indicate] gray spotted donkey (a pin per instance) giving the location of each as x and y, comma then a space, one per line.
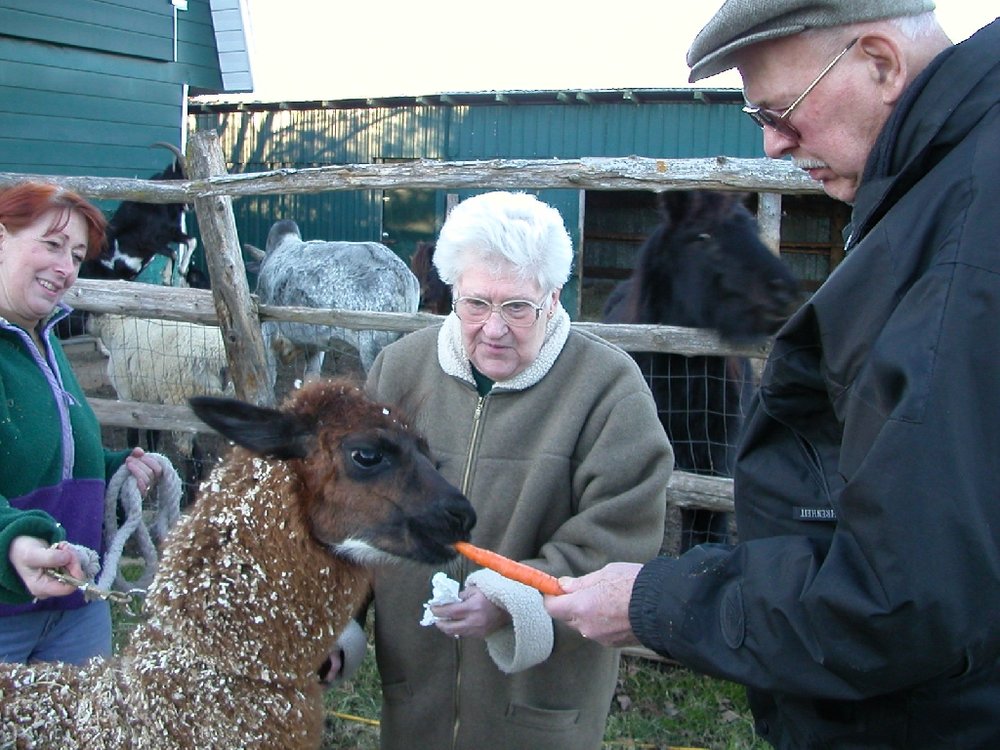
319, 274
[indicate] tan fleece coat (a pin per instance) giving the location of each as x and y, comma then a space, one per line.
567, 468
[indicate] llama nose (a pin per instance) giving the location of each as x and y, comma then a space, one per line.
461, 515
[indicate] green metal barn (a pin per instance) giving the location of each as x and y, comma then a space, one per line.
607, 226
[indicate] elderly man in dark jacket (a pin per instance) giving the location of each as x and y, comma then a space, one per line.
860, 606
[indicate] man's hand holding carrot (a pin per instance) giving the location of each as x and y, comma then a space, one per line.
596, 604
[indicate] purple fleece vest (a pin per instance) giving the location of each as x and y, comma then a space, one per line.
79, 504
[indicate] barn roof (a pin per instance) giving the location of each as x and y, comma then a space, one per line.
234, 42
569, 97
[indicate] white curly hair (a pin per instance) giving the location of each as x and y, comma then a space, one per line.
504, 233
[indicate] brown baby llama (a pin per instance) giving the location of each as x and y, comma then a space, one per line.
255, 584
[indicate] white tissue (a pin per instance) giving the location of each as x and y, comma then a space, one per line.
444, 590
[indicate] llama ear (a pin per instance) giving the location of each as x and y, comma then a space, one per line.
268, 432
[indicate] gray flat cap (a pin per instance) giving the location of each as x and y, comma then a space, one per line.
740, 23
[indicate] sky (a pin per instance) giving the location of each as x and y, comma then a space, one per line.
342, 49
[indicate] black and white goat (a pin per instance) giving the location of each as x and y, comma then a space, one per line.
139, 231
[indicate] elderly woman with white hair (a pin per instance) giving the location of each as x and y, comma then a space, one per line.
552, 434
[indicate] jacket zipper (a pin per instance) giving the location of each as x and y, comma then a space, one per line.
476, 415
45, 359
466, 478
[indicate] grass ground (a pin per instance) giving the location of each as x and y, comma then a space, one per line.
657, 705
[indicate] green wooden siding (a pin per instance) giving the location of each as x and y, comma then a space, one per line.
670, 130
265, 140
197, 61
79, 95
137, 29
69, 111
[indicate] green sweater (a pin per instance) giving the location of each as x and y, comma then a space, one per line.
49, 438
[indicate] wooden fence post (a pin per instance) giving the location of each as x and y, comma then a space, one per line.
769, 220
236, 309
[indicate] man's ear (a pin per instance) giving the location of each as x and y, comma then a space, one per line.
887, 63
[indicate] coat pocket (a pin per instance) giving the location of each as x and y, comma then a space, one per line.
542, 718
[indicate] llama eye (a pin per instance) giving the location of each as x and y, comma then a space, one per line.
366, 458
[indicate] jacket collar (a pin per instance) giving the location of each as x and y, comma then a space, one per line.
936, 113
60, 311
455, 362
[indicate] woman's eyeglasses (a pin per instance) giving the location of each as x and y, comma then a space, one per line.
778, 121
519, 313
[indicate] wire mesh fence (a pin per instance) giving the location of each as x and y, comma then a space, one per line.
702, 403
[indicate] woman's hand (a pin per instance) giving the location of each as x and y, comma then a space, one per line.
146, 470
596, 604
473, 617
329, 670
31, 557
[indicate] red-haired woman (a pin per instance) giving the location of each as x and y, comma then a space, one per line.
53, 467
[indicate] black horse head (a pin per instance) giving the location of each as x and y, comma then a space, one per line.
705, 266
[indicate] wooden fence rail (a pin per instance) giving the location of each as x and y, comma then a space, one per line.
624, 173
197, 306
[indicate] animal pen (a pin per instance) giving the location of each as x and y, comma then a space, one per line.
237, 313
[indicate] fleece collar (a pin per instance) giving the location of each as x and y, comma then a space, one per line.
455, 362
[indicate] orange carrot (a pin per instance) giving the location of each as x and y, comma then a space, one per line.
511, 569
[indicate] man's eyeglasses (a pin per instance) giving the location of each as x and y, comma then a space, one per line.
778, 121
519, 313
